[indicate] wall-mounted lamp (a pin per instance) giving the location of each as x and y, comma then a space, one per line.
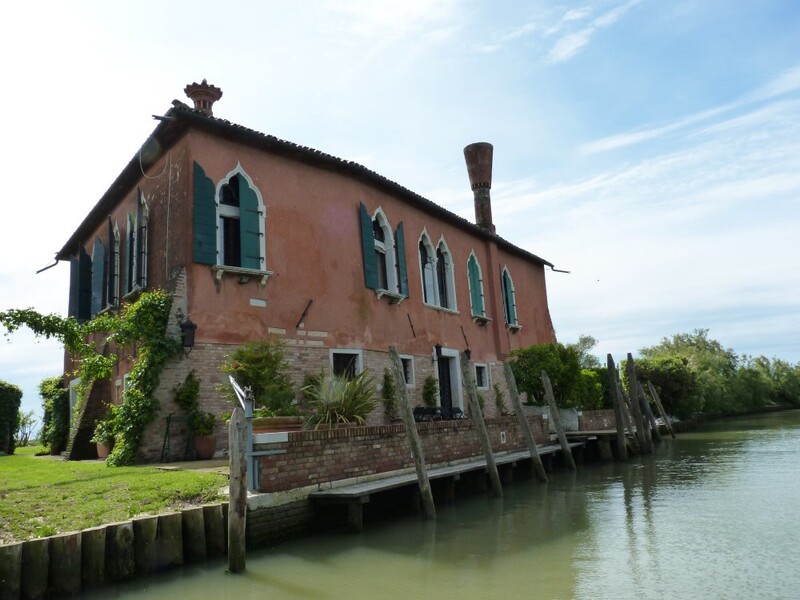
187, 334
438, 348
468, 353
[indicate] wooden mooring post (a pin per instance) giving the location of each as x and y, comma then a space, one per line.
616, 402
480, 427
656, 434
636, 409
513, 393
237, 502
660, 407
556, 418
425, 492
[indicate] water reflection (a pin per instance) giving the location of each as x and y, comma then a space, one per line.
711, 515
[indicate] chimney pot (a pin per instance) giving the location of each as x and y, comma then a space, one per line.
479, 168
203, 95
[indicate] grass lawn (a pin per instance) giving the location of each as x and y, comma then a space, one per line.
41, 496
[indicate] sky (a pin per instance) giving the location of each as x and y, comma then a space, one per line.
649, 147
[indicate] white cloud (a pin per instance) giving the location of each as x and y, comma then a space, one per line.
571, 43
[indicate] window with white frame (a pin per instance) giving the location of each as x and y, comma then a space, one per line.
509, 299
407, 361
229, 222
475, 279
383, 254
436, 270
346, 362
481, 376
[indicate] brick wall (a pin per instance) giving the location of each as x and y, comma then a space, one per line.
596, 420
322, 456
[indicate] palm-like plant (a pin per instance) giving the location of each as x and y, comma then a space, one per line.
334, 399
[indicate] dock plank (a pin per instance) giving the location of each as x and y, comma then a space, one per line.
361, 491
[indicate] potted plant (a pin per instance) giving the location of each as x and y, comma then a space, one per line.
103, 437
262, 367
205, 442
338, 400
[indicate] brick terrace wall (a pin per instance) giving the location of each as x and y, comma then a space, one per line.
596, 420
323, 456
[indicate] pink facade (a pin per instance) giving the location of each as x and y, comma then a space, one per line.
307, 278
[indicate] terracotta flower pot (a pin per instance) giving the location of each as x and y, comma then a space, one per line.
103, 451
205, 446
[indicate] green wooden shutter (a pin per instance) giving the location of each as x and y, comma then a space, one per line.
368, 249
111, 293
98, 264
475, 287
74, 286
400, 246
249, 231
84, 285
141, 244
205, 218
509, 300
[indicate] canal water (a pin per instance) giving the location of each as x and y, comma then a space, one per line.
714, 514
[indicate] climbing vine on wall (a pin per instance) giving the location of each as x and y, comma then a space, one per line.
142, 324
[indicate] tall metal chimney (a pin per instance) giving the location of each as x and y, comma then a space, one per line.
479, 168
203, 95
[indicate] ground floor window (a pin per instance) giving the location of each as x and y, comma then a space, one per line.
347, 363
408, 369
481, 376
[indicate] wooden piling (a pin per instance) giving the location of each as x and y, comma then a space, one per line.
119, 551
93, 556
145, 544
660, 407
194, 535
616, 402
480, 427
237, 511
35, 567
215, 530
426, 494
636, 409
169, 540
556, 419
656, 435
64, 575
10, 571
634, 446
524, 426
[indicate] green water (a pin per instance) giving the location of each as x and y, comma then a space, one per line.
711, 515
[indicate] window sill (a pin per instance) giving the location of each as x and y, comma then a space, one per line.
452, 311
481, 320
394, 297
513, 328
244, 274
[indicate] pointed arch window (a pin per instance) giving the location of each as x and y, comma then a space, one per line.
427, 262
384, 255
112, 265
98, 276
509, 299
475, 279
229, 223
136, 247
436, 270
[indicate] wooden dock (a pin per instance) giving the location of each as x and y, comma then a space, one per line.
357, 494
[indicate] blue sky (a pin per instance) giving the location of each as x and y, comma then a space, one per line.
650, 147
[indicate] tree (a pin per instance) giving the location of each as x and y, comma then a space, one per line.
676, 383
25, 426
583, 347
562, 367
10, 397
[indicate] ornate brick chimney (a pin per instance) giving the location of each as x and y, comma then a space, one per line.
479, 168
203, 95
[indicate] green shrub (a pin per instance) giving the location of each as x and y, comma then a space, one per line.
430, 392
10, 397
499, 401
562, 366
389, 396
202, 423
262, 367
340, 400
55, 424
